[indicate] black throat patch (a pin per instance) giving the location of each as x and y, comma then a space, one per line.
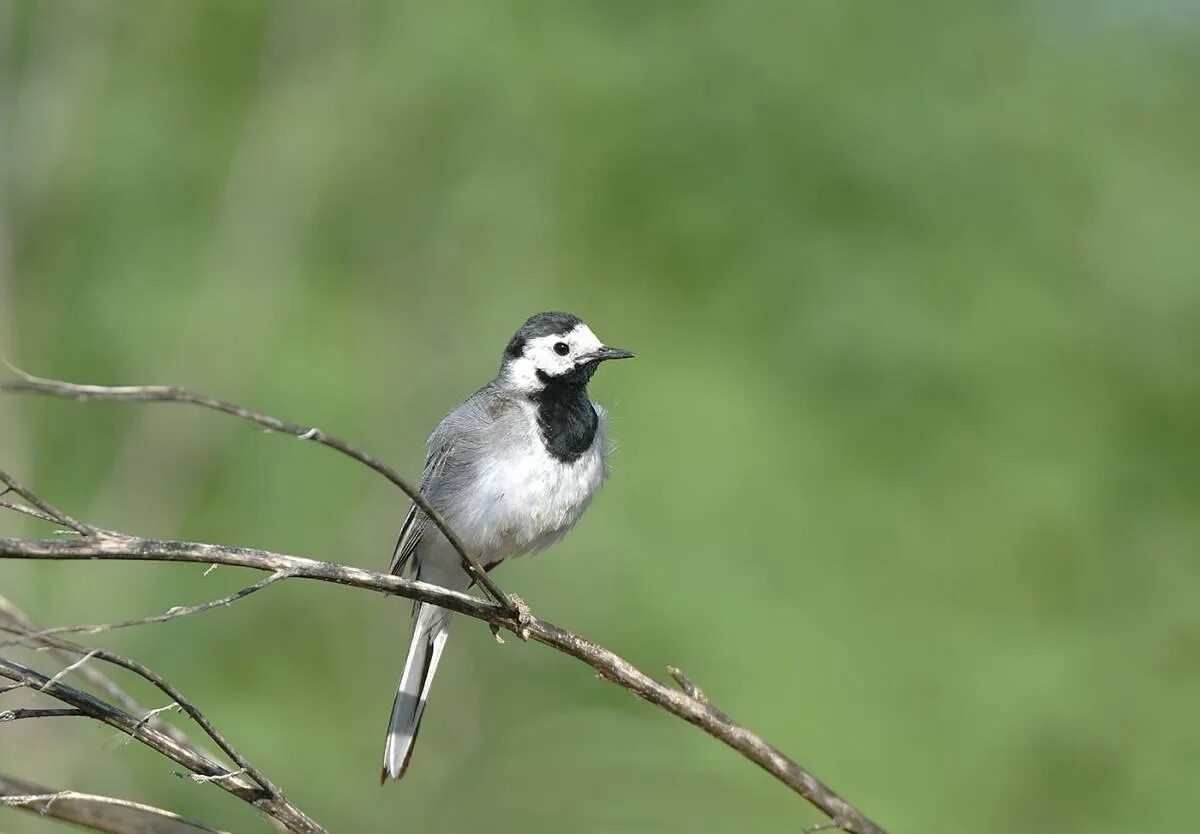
565, 414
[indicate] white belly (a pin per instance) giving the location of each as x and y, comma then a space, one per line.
526, 500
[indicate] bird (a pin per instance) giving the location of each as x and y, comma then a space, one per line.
511, 470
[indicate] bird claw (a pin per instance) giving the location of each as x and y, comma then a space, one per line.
524, 616
522, 620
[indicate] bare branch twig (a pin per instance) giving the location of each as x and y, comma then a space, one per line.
22, 624
196, 777
822, 826
70, 668
47, 509
171, 614
149, 717
21, 714
30, 511
100, 813
273, 804
686, 684
609, 665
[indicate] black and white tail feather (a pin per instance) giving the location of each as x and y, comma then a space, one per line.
431, 626
511, 470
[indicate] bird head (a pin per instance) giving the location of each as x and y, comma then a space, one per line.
554, 349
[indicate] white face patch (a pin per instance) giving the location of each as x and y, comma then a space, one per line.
553, 355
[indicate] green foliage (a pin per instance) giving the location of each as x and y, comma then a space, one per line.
907, 477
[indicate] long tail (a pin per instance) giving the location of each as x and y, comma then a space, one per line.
431, 626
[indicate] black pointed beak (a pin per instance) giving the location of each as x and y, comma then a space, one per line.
604, 352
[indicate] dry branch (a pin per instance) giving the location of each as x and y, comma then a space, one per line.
148, 716
99, 813
15, 621
22, 714
275, 805
691, 705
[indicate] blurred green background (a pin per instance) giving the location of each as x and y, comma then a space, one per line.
908, 473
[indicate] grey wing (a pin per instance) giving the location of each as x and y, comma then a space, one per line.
416, 521
453, 446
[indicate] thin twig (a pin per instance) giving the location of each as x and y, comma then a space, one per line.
686, 684
69, 669
20, 714
154, 713
168, 393
46, 508
196, 777
30, 511
171, 614
822, 826
100, 813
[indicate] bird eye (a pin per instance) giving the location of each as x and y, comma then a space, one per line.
562, 348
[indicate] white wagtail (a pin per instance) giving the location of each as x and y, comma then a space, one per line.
510, 470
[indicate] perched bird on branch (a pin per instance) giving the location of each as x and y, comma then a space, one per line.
510, 470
